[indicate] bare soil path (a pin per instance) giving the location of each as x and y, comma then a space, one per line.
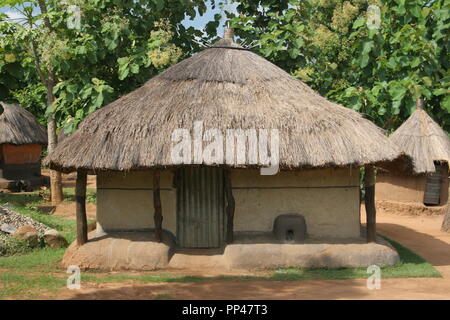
421, 234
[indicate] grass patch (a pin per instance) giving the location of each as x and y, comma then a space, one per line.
32, 199
140, 278
28, 272
21, 200
10, 246
28, 286
69, 195
41, 260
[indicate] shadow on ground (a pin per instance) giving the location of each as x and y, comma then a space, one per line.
229, 289
432, 249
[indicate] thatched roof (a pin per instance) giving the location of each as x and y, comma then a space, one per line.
19, 127
226, 87
422, 139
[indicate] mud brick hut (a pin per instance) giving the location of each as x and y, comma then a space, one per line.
21, 142
423, 187
154, 212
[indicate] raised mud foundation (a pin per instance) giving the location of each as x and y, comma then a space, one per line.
140, 251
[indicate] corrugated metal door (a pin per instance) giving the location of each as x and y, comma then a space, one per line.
434, 185
200, 207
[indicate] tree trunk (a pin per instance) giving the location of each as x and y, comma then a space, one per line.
80, 199
56, 189
369, 186
158, 218
48, 80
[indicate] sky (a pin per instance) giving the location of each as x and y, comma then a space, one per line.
199, 22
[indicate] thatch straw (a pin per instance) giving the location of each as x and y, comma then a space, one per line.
19, 127
226, 87
423, 140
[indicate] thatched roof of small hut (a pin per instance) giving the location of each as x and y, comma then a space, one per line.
423, 140
226, 87
19, 127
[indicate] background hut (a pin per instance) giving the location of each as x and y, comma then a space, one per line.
21, 141
207, 205
426, 182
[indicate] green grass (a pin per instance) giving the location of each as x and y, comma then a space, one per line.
10, 246
31, 274
141, 278
39, 260
163, 296
28, 286
27, 275
33, 199
91, 195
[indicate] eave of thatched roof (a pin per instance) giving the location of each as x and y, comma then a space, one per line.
19, 127
225, 87
423, 140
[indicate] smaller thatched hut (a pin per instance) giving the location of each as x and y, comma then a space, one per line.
21, 141
422, 187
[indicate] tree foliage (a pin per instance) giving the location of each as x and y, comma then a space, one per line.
335, 46
339, 47
113, 48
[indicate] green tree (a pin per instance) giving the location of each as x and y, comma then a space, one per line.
340, 48
85, 53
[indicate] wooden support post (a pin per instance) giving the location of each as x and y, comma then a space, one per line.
158, 218
80, 198
371, 213
230, 206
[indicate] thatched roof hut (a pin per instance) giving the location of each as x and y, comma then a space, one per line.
421, 138
129, 145
425, 181
19, 127
227, 87
21, 141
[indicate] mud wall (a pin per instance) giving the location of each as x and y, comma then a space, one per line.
327, 198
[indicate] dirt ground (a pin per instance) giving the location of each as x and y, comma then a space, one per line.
70, 179
421, 234
67, 209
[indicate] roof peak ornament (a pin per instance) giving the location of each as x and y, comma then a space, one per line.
419, 104
228, 34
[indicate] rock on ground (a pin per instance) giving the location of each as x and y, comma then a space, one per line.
16, 220
54, 239
28, 234
7, 228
